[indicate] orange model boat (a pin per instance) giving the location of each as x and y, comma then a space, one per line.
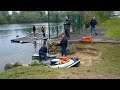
63, 60
86, 39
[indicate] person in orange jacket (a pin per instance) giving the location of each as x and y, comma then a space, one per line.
43, 31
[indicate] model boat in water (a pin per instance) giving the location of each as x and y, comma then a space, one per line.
36, 56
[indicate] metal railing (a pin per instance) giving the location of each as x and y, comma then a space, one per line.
56, 30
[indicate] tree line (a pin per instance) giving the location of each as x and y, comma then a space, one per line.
55, 16
30, 17
101, 16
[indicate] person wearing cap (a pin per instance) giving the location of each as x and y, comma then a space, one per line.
67, 24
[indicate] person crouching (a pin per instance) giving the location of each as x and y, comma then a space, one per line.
43, 52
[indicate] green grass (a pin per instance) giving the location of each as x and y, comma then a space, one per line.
110, 59
108, 67
33, 72
113, 27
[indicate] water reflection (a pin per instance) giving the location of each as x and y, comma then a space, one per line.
17, 52
5, 33
35, 47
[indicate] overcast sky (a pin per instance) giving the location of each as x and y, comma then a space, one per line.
117, 12
10, 12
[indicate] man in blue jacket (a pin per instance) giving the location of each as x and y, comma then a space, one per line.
63, 44
43, 51
93, 23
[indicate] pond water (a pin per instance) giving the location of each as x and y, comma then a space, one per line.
16, 52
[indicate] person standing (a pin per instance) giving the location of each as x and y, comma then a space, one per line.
63, 43
93, 23
67, 24
43, 31
34, 29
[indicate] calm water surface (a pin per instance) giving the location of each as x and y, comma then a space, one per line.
16, 52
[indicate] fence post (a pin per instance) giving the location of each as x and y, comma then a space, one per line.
49, 23
79, 23
57, 24
73, 22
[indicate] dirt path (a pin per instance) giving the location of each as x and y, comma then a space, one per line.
88, 56
95, 38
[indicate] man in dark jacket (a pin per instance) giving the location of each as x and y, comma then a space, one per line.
43, 51
63, 44
93, 23
67, 24
34, 29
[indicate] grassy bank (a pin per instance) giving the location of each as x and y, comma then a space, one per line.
113, 27
108, 67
